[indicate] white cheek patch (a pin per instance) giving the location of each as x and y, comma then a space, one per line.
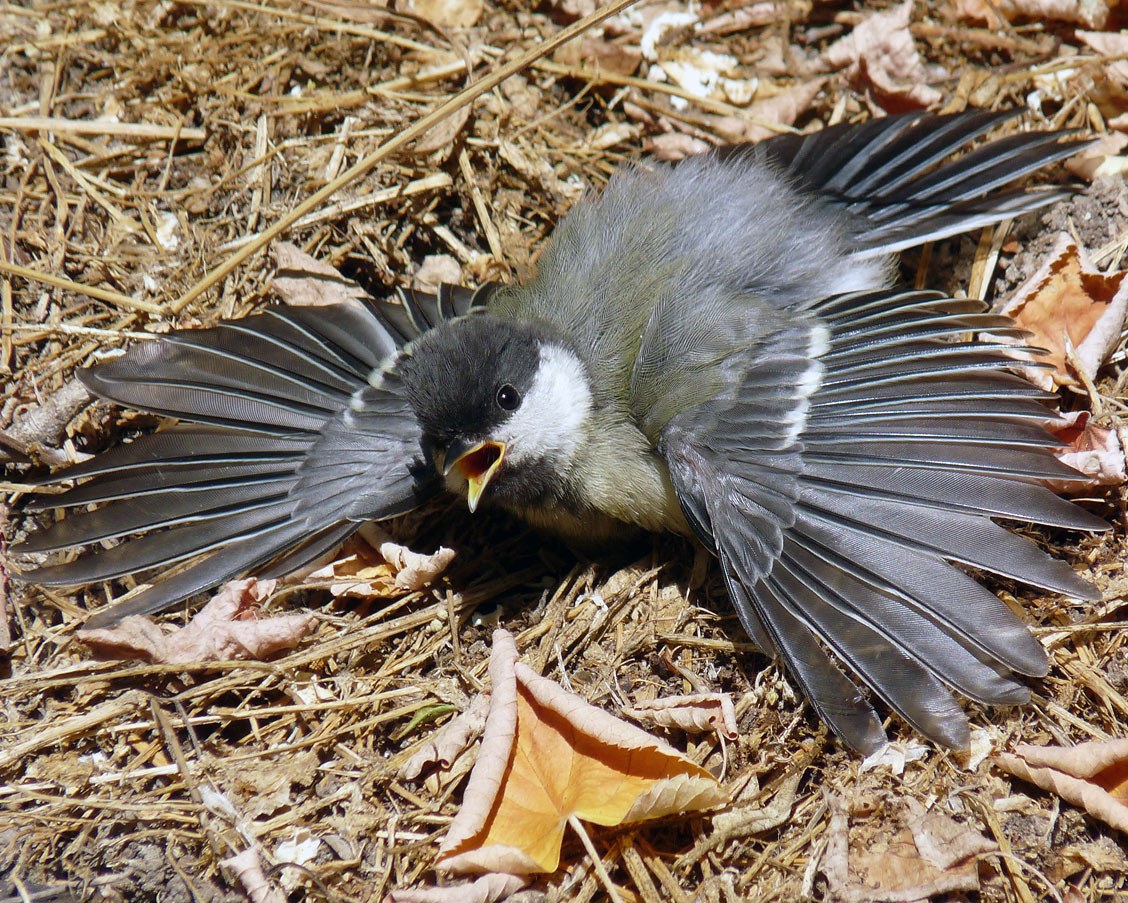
551, 418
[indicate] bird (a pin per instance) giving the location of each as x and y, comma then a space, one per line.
715, 347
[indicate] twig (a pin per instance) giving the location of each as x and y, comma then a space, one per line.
462, 98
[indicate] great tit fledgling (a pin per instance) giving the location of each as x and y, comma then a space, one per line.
713, 348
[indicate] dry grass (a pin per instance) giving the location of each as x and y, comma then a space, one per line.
152, 149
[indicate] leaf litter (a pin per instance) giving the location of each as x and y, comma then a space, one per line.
145, 145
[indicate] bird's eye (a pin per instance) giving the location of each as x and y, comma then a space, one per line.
508, 398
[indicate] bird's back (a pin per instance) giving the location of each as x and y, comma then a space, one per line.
672, 268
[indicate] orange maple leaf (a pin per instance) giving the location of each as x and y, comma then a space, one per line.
1069, 303
548, 758
1091, 775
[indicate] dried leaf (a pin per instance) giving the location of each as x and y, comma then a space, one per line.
596, 53
414, 570
704, 73
447, 13
487, 889
929, 854
1092, 776
1090, 13
435, 270
1110, 44
1069, 299
548, 755
676, 146
896, 755
611, 133
783, 108
881, 53
265, 787
443, 133
248, 872
1093, 450
1101, 856
213, 635
452, 739
538, 170
696, 713
305, 281
1101, 159
754, 15
360, 570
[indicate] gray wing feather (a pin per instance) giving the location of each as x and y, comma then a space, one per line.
897, 175
291, 450
906, 441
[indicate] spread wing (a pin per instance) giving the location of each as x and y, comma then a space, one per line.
855, 455
297, 432
897, 174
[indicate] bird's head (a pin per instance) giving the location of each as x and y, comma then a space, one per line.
503, 407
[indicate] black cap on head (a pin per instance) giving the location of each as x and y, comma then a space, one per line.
463, 377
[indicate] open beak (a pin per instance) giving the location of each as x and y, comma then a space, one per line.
477, 462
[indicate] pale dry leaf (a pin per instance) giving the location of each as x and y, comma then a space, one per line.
575, 9
666, 21
596, 53
1104, 855
752, 15
1092, 775
695, 713
704, 73
447, 13
1112, 44
484, 786
247, 869
215, 634
442, 134
941, 841
880, 862
413, 569
361, 571
895, 755
300, 849
1090, 13
983, 743
1104, 158
675, 146
450, 740
1068, 301
548, 756
265, 787
783, 108
612, 133
537, 170
487, 889
434, 271
304, 281
880, 52
1093, 450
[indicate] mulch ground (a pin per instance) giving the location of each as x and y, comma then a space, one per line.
152, 151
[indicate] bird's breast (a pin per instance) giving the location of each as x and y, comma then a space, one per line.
622, 477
